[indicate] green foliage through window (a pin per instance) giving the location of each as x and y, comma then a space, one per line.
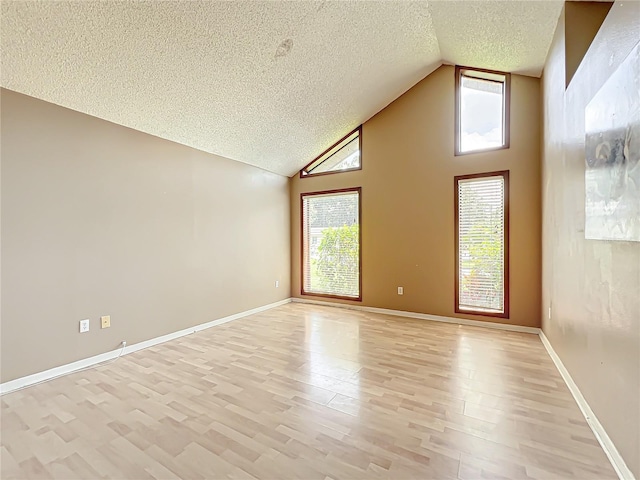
337, 264
331, 243
481, 244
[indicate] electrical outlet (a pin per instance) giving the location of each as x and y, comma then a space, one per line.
84, 326
400, 290
277, 283
549, 313
105, 321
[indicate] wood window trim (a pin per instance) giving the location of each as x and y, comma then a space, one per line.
505, 175
329, 192
308, 175
506, 110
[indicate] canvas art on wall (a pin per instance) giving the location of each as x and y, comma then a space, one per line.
612, 143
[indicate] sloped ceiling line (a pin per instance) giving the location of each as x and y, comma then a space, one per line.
271, 84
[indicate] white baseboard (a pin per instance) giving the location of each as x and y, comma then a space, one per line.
423, 316
600, 433
103, 357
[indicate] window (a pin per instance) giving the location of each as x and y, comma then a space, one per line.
343, 156
482, 110
331, 255
482, 244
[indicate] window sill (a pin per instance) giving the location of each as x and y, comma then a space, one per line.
328, 295
484, 313
459, 153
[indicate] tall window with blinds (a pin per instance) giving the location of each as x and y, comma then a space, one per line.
331, 244
482, 244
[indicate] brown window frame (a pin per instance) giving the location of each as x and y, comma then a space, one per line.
302, 255
506, 107
505, 175
304, 173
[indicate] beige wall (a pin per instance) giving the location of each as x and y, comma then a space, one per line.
408, 200
100, 219
582, 22
592, 287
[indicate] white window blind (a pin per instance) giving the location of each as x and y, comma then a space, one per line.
481, 251
331, 243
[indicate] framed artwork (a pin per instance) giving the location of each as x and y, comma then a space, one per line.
612, 144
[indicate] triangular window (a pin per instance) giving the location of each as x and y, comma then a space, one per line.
343, 156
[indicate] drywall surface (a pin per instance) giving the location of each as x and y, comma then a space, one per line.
407, 183
582, 22
99, 219
591, 286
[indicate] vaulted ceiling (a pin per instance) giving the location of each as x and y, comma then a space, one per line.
268, 83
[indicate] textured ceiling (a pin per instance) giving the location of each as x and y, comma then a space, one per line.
510, 36
270, 83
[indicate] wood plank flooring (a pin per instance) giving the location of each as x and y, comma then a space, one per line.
310, 392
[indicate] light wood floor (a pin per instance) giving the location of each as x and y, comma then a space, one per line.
309, 392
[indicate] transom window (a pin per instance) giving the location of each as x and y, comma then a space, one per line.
482, 110
342, 156
482, 244
331, 237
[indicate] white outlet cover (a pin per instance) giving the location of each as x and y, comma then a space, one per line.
400, 290
277, 283
84, 326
